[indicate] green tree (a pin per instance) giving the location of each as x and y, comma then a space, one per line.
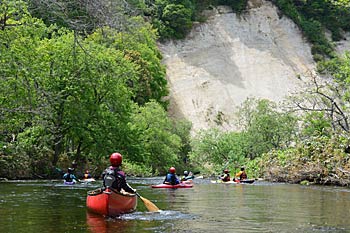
71, 88
329, 97
316, 124
152, 141
182, 128
20, 35
266, 127
140, 48
178, 20
218, 149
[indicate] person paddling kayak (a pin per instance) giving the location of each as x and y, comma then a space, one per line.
69, 176
87, 174
114, 177
171, 177
241, 175
226, 176
187, 176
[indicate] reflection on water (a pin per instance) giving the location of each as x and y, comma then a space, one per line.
147, 221
50, 206
162, 215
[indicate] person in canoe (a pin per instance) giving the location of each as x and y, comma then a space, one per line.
241, 175
171, 177
226, 176
113, 177
69, 176
187, 176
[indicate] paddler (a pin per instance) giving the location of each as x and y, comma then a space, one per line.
226, 176
87, 174
187, 176
241, 175
171, 177
69, 176
114, 177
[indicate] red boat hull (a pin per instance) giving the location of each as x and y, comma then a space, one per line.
110, 203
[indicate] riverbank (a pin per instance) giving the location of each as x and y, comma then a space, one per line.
324, 161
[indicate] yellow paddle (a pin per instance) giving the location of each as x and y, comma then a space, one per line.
149, 205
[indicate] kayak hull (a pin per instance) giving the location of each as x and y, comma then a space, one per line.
247, 181
69, 182
110, 203
187, 181
88, 180
181, 185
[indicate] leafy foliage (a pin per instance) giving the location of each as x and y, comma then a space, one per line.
139, 47
152, 141
321, 160
313, 17
316, 124
65, 95
265, 126
321, 152
217, 149
339, 69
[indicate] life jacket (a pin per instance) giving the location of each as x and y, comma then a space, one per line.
243, 176
68, 177
171, 178
226, 178
113, 177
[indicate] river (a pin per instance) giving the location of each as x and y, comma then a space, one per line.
50, 206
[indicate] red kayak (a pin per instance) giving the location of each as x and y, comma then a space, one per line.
169, 186
110, 203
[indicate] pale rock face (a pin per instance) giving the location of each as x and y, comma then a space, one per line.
230, 58
343, 45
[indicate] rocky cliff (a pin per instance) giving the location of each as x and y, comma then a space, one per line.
232, 57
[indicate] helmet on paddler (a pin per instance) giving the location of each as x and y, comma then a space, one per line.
116, 159
226, 171
172, 170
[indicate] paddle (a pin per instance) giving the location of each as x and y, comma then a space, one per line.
149, 205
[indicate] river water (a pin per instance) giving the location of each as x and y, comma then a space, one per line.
50, 206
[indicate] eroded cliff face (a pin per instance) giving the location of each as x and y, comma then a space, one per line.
230, 58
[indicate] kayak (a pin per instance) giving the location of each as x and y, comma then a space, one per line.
169, 186
110, 202
187, 181
70, 182
247, 181
88, 180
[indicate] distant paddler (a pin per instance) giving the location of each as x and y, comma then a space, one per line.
241, 175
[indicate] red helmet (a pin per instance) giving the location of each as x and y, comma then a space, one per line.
172, 170
116, 159
225, 171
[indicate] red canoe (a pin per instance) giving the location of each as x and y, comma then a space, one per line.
110, 203
169, 186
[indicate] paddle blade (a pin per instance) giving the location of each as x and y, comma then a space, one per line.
149, 205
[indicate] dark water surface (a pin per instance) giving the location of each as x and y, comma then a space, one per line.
50, 206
